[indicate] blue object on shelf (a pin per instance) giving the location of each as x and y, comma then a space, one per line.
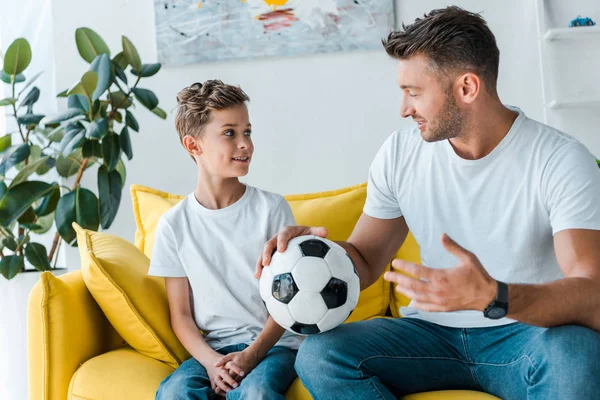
579, 21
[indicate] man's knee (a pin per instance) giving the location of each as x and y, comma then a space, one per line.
252, 390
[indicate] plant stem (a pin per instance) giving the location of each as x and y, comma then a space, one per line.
114, 110
15, 111
77, 180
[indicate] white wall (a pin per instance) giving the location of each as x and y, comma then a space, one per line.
318, 120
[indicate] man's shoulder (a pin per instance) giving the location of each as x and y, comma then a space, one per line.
548, 141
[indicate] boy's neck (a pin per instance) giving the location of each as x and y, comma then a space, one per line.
215, 194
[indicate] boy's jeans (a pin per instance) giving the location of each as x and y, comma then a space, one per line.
388, 358
269, 380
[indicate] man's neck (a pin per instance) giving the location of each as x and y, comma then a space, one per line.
486, 129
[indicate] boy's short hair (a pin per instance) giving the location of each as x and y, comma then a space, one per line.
453, 39
195, 103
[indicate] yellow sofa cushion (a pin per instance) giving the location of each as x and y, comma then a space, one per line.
408, 252
122, 374
337, 210
116, 274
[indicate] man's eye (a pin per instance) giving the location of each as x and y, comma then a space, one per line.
228, 133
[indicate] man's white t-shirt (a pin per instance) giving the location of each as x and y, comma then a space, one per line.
217, 251
504, 207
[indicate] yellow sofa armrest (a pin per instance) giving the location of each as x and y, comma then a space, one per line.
65, 328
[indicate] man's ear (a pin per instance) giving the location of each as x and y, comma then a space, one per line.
468, 86
192, 145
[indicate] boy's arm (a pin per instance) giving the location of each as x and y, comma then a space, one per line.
270, 335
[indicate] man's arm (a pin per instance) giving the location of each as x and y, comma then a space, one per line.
372, 245
574, 299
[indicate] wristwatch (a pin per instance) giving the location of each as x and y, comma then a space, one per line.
498, 308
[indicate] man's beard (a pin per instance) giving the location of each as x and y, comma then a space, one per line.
450, 122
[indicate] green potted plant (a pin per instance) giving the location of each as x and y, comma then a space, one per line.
94, 129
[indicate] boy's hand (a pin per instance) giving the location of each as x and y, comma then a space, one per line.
221, 380
240, 363
280, 240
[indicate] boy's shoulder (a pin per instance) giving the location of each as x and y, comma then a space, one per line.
176, 213
269, 198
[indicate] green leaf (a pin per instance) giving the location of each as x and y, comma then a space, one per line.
11, 265
18, 57
37, 256
131, 54
120, 100
131, 122
120, 60
111, 150
118, 117
79, 206
14, 156
63, 93
31, 98
27, 172
97, 129
120, 72
5, 142
6, 78
43, 224
147, 70
30, 82
86, 86
46, 166
125, 142
73, 139
160, 112
20, 197
9, 101
29, 119
10, 243
78, 101
122, 171
28, 217
101, 65
146, 97
67, 166
91, 148
90, 44
110, 187
48, 204
3, 189
61, 116
57, 134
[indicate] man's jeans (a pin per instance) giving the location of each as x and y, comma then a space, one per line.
269, 380
386, 358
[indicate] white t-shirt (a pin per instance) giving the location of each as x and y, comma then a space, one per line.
217, 251
504, 207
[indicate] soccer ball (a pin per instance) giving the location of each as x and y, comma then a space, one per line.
311, 287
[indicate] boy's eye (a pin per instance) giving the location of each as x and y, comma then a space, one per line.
248, 133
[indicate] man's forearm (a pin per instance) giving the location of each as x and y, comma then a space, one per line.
365, 272
563, 302
269, 336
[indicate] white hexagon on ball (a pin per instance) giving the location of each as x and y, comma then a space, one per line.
311, 274
280, 312
266, 284
334, 317
307, 307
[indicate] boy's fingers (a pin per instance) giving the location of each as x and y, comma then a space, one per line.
223, 360
235, 368
228, 379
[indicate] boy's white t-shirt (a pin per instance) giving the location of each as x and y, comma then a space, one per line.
217, 251
504, 208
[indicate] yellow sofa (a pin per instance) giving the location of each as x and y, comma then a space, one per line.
74, 352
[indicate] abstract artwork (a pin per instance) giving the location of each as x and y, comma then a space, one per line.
202, 31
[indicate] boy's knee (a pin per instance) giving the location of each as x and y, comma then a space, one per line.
252, 391
171, 388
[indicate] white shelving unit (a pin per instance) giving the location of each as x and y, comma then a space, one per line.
579, 33
551, 35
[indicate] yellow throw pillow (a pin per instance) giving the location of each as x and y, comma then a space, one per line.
337, 210
116, 274
408, 252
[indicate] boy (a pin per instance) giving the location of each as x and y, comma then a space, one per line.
206, 248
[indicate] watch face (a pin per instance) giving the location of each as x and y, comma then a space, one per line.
496, 313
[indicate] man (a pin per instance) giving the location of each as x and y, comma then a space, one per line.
508, 300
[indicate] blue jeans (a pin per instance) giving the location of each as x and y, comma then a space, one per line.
388, 358
269, 380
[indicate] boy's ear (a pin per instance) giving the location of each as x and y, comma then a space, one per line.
192, 145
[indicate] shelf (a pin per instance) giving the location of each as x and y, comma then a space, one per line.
579, 103
578, 33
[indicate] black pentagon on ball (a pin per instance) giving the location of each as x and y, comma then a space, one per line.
314, 248
284, 288
305, 329
335, 293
